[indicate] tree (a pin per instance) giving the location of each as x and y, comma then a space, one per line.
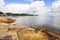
1, 13
8, 14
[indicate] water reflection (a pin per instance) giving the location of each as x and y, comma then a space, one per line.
30, 20
37, 21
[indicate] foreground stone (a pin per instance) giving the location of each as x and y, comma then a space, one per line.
22, 32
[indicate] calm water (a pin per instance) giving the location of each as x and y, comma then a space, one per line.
30, 20
37, 21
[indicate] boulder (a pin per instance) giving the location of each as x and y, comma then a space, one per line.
6, 20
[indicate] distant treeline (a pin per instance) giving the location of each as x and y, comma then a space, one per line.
16, 14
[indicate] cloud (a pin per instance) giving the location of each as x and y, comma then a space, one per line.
56, 4
17, 8
38, 6
34, 7
2, 3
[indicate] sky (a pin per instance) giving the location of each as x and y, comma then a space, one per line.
47, 2
28, 6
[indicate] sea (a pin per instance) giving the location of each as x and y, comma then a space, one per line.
37, 21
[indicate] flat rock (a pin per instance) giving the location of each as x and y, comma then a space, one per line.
6, 20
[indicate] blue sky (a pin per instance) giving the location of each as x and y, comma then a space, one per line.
47, 2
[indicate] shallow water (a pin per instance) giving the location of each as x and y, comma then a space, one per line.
30, 20
36, 21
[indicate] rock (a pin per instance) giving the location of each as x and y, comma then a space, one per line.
16, 27
31, 35
6, 20
8, 37
3, 24
27, 33
23, 32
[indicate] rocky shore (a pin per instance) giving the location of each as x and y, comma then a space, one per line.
22, 32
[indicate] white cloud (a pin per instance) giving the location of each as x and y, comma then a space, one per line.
56, 4
37, 7
17, 8
2, 3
